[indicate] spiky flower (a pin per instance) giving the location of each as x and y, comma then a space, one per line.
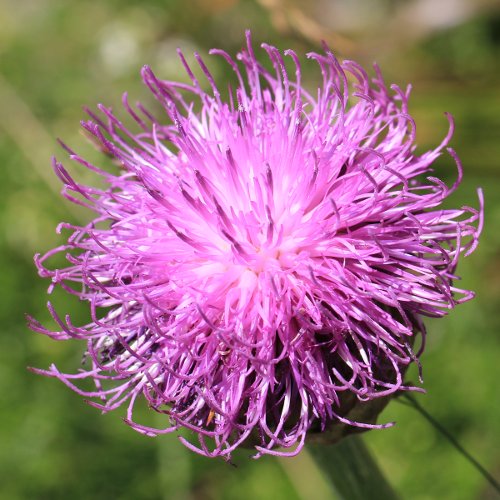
260, 265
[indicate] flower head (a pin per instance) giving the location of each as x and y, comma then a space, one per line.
259, 265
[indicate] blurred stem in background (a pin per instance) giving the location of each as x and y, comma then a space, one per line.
32, 138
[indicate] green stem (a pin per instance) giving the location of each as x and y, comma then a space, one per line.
352, 471
411, 401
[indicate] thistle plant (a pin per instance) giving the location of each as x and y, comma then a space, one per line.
260, 266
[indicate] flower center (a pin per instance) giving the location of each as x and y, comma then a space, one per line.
266, 258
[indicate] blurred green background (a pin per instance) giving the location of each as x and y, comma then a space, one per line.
56, 56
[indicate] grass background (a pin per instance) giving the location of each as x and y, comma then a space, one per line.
57, 55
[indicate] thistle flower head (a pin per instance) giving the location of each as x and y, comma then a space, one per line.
260, 264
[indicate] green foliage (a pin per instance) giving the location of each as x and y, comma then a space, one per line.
57, 56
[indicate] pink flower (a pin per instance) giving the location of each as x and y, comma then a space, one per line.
259, 265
